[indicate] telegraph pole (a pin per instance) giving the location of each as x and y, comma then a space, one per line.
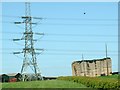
83, 64
106, 59
29, 52
106, 49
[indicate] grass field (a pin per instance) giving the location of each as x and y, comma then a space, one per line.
50, 84
44, 84
111, 76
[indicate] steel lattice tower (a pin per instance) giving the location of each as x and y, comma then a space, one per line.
29, 50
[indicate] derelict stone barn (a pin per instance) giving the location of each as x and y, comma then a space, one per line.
92, 68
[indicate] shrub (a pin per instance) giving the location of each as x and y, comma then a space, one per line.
93, 82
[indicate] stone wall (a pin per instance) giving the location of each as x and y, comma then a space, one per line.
92, 68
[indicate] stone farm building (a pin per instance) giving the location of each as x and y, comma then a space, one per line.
92, 68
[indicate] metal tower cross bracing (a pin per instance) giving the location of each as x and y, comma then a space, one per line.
29, 51
30, 59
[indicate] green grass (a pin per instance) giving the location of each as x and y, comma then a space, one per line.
50, 84
111, 76
0, 85
44, 84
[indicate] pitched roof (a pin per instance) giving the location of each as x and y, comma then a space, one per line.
12, 74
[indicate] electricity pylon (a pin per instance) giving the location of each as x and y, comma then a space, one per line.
30, 59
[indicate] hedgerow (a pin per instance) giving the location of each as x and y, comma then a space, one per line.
93, 82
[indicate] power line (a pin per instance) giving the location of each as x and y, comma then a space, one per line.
64, 24
69, 50
65, 41
76, 54
10, 16
77, 24
71, 35
62, 18
63, 50
70, 41
82, 19
63, 53
80, 35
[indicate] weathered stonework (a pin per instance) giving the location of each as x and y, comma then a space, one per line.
92, 68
